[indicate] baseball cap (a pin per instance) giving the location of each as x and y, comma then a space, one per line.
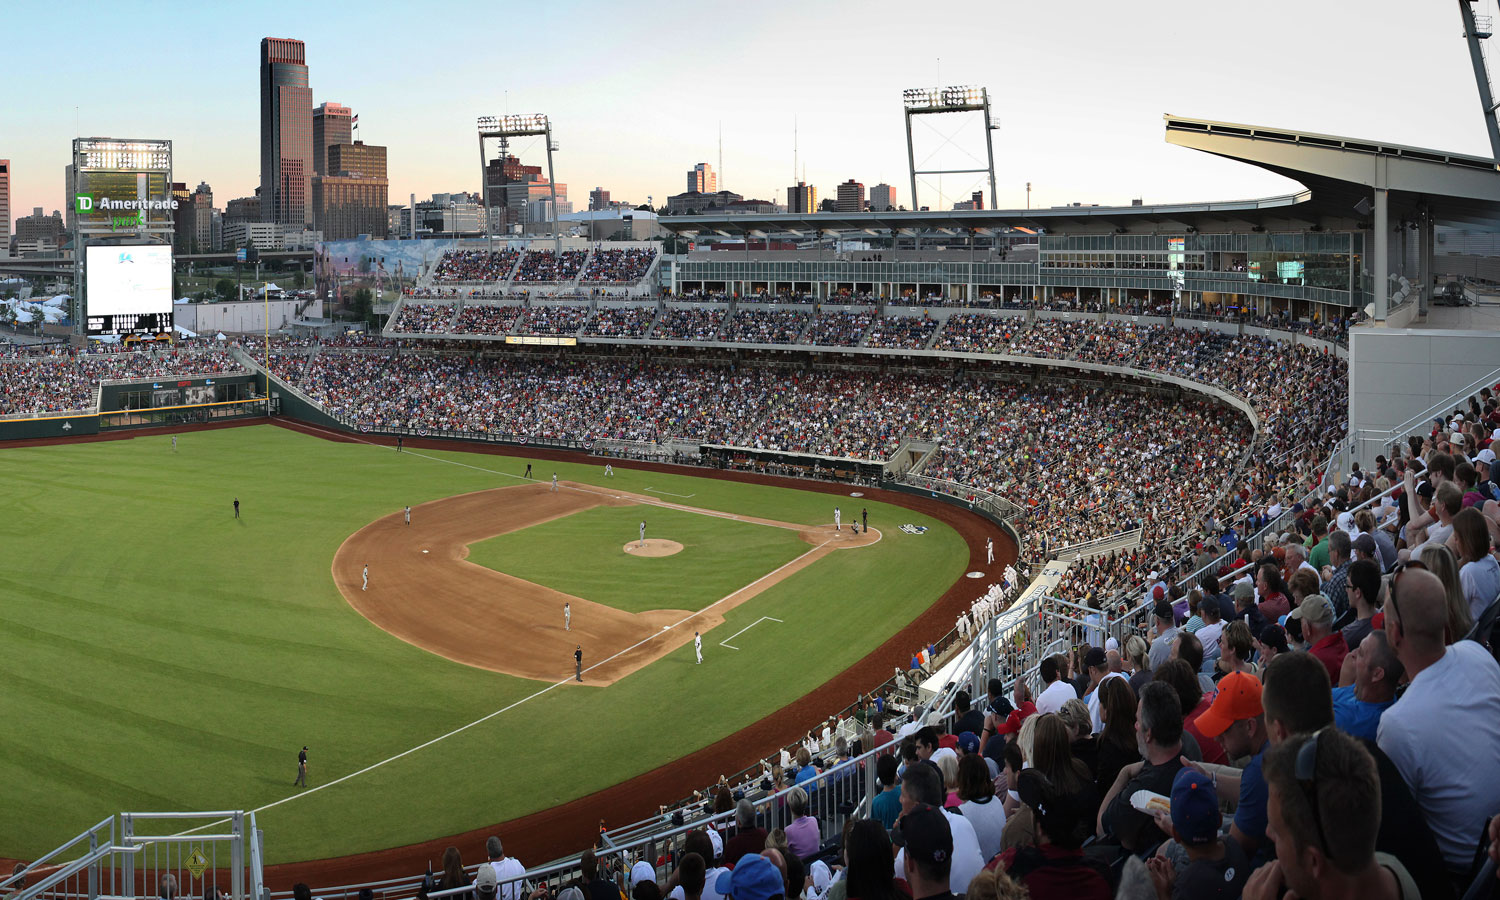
485, 880
1314, 608
1195, 807
1158, 592
1365, 544
1111, 644
641, 871
968, 742
926, 835
1244, 590
1346, 523
1274, 636
1162, 610
1094, 658
1485, 456
718, 843
1239, 698
753, 878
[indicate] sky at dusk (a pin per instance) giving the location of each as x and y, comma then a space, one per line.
638, 92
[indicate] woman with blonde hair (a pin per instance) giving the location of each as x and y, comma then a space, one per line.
1441, 562
948, 765
1235, 646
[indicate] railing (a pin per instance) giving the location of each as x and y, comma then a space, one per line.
988, 500
1386, 438
1099, 546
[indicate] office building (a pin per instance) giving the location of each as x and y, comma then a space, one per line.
701, 178
38, 226
286, 141
801, 198
242, 209
192, 221
701, 203
599, 199
882, 198
332, 124
350, 200
975, 201
4, 208
851, 197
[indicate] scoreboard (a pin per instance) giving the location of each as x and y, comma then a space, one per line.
129, 288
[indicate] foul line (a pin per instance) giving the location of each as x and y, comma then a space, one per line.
670, 494
725, 642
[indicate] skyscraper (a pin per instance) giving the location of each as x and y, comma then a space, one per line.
4, 208
351, 199
286, 140
801, 198
851, 197
701, 178
882, 198
598, 199
332, 124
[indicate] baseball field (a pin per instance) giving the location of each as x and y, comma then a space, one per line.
159, 653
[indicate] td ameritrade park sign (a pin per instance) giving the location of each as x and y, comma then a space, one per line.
122, 213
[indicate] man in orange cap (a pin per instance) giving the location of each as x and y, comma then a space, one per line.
1237, 721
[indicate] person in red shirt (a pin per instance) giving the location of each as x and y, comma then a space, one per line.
1317, 629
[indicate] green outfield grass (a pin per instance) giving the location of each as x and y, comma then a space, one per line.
158, 654
719, 556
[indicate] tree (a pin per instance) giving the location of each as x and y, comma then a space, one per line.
364, 305
224, 288
299, 279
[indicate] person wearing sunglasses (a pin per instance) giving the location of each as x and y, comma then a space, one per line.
1323, 815
1444, 732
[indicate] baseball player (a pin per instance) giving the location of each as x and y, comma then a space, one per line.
864, 520
567, 617
366, 585
609, 471
174, 443
554, 481
236, 507
408, 515
578, 663
301, 768
989, 551
838, 519
698, 646
528, 471
398, 443
643, 534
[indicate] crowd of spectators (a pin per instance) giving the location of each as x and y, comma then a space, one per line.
767, 326
621, 322
549, 265
481, 319
901, 332
689, 325
550, 320
459, 266
35, 385
424, 318
625, 266
839, 329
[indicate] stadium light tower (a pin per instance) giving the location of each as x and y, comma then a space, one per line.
1476, 29
504, 128
958, 99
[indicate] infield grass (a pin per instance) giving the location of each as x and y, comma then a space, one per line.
156, 653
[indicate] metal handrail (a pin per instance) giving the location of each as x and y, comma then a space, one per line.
1401, 430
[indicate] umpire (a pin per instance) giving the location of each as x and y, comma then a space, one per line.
578, 663
301, 768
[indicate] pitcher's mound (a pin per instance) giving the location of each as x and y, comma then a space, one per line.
654, 547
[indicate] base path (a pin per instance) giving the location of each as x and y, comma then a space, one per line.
424, 590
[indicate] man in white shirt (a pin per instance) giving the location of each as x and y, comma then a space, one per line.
1444, 732
1057, 691
1166, 634
508, 871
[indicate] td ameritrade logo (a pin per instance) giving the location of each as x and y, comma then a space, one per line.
122, 213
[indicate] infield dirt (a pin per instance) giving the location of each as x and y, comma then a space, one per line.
423, 589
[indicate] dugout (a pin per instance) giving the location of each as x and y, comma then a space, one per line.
800, 465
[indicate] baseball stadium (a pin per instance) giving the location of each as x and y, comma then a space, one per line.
600, 560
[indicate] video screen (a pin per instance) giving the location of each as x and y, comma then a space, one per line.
129, 279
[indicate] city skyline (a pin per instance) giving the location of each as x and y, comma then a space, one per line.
1079, 108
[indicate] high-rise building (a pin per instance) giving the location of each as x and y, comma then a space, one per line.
882, 198
598, 199
4, 208
701, 178
351, 199
39, 226
332, 124
242, 209
286, 140
975, 201
851, 197
802, 198
194, 221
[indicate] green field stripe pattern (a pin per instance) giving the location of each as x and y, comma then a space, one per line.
158, 653
583, 555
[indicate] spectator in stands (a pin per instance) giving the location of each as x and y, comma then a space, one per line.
1479, 573
965, 718
921, 787
1159, 725
485, 883
1336, 574
1444, 732
1316, 617
595, 885
1324, 816
1272, 589
869, 860
980, 806
1052, 755
750, 838
1187, 683
1083, 745
1166, 633
1117, 742
1055, 867
166, 887
1368, 686
1056, 690
1363, 590
1441, 562
1245, 609
1208, 635
754, 877
1270, 643
454, 875
1137, 651
1211, 867
1235, 647
1237, 721
802, 834
927, 853
691, 875
508, 870
1097, 664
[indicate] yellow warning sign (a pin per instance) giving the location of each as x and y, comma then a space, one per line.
196, 862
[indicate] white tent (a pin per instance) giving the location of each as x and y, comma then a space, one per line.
183, 332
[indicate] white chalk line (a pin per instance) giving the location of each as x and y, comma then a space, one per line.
725, 642
670, 494
485, 718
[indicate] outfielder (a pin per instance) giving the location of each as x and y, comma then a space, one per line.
567, 617
366, 585
609, 471
698, 646
643, 534
174, 443
989, 551
408, 515
838, 519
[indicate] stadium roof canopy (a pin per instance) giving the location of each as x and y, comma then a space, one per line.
1341, 176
